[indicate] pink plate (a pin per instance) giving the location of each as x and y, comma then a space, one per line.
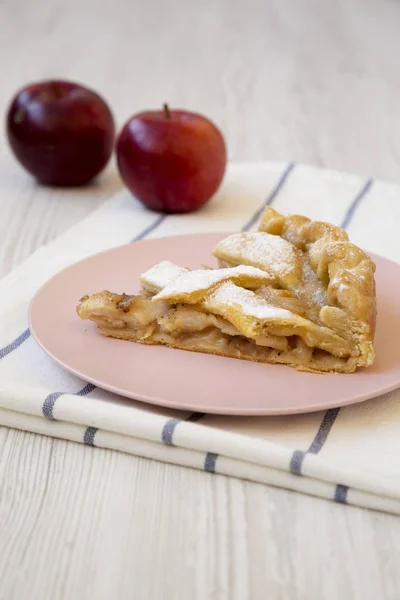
192, 381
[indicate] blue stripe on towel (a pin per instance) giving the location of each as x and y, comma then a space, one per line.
50, 400
271, 198
319, 440
323, 430
167, 432
15, 344
194, 417
210, 461
296, 462
356, 203
341, 494
149, 229
89, 435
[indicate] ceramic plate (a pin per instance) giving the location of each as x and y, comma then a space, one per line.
192, 381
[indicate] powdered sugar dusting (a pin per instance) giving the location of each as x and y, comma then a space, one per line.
229, 294
312, 289
203, 279
263, 250
162, 274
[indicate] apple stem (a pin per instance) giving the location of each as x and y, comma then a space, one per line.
167, 112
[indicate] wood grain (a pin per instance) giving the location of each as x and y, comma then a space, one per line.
310, 81
83, 523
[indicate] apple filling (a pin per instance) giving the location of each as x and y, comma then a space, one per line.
216, 320
190, 328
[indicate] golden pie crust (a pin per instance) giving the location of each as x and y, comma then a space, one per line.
295, 292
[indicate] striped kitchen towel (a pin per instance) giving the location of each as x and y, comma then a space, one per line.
349, 455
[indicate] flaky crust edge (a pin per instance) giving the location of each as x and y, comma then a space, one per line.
346, 269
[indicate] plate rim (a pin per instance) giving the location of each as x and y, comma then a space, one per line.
217, 410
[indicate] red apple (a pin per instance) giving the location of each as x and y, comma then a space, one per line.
61, 132
172, 160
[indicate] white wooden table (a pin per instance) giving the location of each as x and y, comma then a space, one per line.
313, 81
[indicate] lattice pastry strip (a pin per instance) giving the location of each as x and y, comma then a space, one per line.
219, 292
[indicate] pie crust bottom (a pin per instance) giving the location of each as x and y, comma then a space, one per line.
212, 340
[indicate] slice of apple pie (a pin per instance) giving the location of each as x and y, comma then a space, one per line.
296, 292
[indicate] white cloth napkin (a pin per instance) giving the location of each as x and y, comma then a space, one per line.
349, 455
